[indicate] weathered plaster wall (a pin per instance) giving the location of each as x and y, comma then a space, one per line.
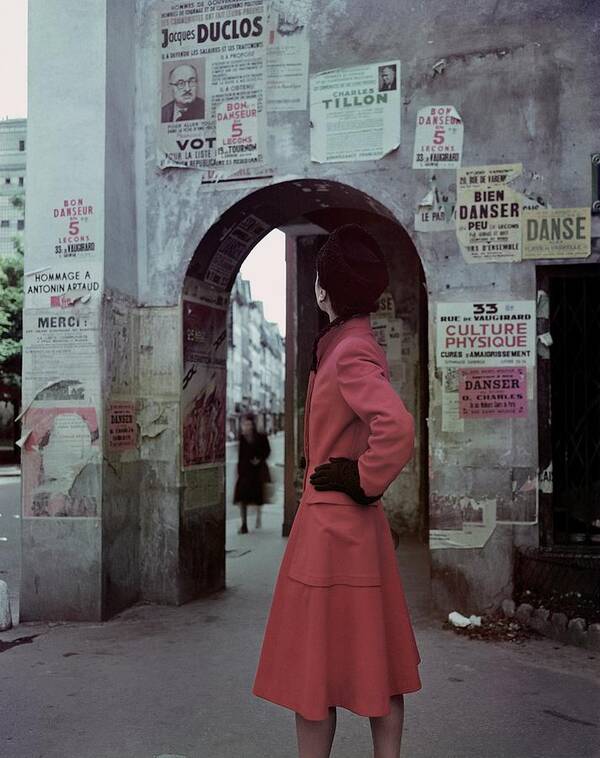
521, 76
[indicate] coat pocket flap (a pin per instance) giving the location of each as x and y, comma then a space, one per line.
337, 546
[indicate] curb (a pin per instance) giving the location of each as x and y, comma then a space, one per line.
557, 626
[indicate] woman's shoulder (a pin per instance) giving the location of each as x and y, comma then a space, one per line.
359, 344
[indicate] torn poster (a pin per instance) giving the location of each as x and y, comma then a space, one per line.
493, 392
61, 444
557, 233
203, 487
522, 505
435, 212
438, 138
451, 419
355, 112
486, 334
213, 76
287, 55
203, 396
232, 250
488, 213
460, 521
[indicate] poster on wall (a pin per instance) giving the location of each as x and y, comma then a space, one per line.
488, 213
493, 392
122, 427
486, 334
232, 250
287, 55
457, 521
557, 233
60, 443
61, 354
438, 138
213, 77
451, 419
63, 284
77, 229
355, 112
204, 387
436, 211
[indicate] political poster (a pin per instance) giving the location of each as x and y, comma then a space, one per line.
486, 334
557, 233
438, 138
488, 213
213, 76
355, 112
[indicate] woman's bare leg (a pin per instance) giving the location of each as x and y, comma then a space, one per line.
315, 738
387, 730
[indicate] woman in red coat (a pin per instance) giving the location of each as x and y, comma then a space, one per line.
339, 631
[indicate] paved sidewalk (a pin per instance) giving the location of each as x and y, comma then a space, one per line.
159, 681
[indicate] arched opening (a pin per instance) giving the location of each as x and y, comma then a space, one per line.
305, 210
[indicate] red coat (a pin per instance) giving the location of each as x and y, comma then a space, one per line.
351, 411
339, 631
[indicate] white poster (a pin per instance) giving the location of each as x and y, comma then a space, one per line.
63, 284
355, 112
436, 211
61, 355
486, 333
213, 76
438, 138
488, 214
287, 55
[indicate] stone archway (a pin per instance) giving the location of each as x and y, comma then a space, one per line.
306, 210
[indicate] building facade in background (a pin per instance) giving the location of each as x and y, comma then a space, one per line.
12, 180
256, 363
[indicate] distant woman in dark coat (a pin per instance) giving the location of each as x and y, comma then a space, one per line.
252, 470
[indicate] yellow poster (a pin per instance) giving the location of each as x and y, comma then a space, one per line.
556, 233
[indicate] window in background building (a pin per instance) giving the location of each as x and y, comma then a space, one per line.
20, 181
4, 224
20, 224
7, 180
21, 145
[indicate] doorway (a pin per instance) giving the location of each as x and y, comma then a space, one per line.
569, 407
305, 210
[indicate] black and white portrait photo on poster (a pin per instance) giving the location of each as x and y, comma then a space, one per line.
387, 78
183, 91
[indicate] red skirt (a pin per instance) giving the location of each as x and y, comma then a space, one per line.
339, 645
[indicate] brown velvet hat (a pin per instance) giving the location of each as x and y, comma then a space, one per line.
352, 270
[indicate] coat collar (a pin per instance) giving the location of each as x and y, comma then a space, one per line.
334, 335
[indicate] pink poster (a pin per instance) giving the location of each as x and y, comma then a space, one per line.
493, 392
122, 428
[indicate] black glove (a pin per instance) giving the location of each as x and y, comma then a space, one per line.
341, 475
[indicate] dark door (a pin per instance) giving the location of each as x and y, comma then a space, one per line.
569, 406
